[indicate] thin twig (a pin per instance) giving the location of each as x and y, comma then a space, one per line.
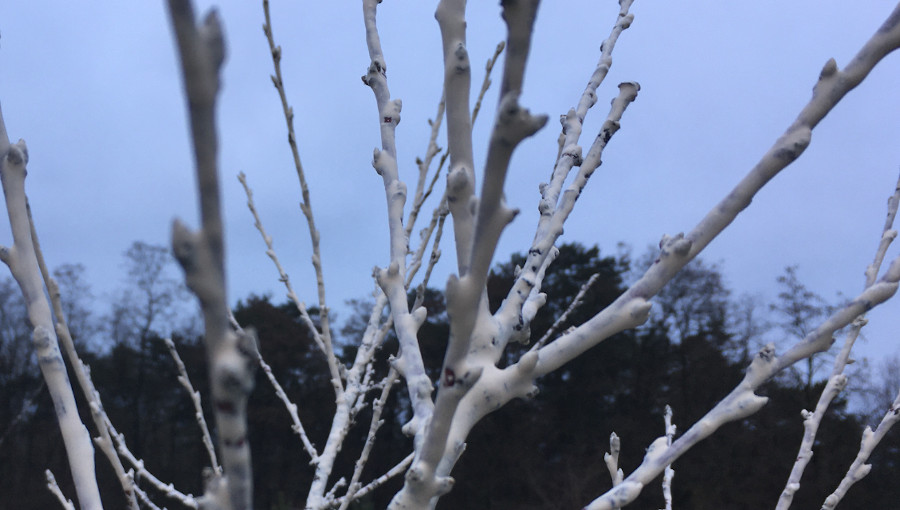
486, 84
576, 302
837, 381
54, 488
305, 206
198, 408
374, 425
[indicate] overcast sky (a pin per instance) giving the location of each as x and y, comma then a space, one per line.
93, 87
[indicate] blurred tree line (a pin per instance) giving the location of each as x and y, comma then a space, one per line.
545, 453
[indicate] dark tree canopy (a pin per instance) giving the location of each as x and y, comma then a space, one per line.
544, 453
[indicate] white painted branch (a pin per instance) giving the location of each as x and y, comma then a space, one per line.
282, 275
145, 499
553, 213
355, 390
888, 234
611, 459
536, 299
83, 376
198, 408
23, 265
811, 422
832, 85
451, 17
428, 478
435, 227
742, 401
569, 150
305, 206
486, 83
576, 302
424, 164
374, 425
231, 356
668, 473
442, 209
138, 470
392, 279
381, 480
296, 424
54, 488
385, 160
409, 363
837, 381
859, 469
510, 313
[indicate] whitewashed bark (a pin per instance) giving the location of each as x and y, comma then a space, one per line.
198, 407
23, 265
837, 381
104, 440
859, 469
55, 490
231, 356
323, 338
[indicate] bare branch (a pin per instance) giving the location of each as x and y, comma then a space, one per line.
837, 381
198, 408
23, 265
82, 375
306, 205
54, 488
231, 356
859, 469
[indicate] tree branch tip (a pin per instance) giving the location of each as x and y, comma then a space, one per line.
457, 179
893, 272
545, 205
767, 353
629, 89
510, 214
419, 315
184, 242
639, 310
213, 37
829, 69
17, 154
444, 485
863, 470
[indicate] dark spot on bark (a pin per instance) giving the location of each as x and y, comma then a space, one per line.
449, 377
225, 407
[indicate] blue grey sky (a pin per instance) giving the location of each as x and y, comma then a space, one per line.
93, 87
